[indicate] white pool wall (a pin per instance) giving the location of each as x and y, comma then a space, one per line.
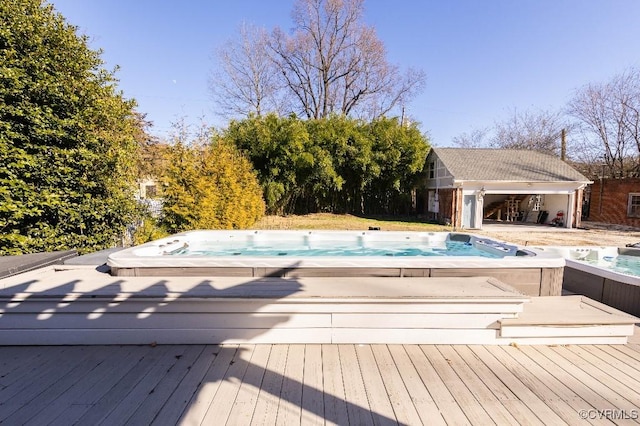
576, 257
151, 254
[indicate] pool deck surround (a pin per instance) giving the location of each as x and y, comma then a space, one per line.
80, 304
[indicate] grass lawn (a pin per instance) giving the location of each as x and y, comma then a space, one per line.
346, 222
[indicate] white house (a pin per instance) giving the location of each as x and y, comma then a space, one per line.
465, 187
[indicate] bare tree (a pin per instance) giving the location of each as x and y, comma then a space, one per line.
630, 101
534, 130
610, 121
246, 80
333, 63
329, 63
476, 138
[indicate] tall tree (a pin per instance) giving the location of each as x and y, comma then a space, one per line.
330, 63
343, 161
609, 113
334, 63
68, 137
246, 79
335, 164
277, 148
399, 151
534, 130
476, 138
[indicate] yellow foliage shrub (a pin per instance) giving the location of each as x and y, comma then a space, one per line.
210, 187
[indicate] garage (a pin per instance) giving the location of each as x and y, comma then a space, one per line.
466, 187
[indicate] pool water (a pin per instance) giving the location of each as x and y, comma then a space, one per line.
624, 264
342, 249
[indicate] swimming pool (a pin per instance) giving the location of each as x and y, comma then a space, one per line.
340, 253
610, 275
623, 261
312, 244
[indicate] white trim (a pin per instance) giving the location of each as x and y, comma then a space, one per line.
569, 211
532, 182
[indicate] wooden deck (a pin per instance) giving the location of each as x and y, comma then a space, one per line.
320, 384
306, 383
84, 306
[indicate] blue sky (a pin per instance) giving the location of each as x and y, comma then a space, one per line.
482, 58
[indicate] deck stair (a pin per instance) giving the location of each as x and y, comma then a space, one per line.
80, 305
568, 319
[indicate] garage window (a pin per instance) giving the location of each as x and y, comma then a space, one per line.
633, 208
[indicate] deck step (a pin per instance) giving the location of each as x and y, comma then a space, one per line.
78, 305
568, 319
58, 308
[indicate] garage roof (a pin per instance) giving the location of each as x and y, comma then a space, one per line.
484, 164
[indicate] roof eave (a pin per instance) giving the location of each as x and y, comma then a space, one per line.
463, 181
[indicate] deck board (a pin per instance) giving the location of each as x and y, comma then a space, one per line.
420, 396
612, 392
493, 407
313, 387
162, 392
612, 356
211, 382
443, 398
507, 370
144, 387
181, 398
561, 384
222, 403
358, 408
19, 365
550, 390
290, 411
398, 395
629, 351
517, 408
74, 403
117, 394
14, 398
567, 386
472, 408
374, 386
615, 370
245, 402
317, 384
335, 403
266, 411
45, 398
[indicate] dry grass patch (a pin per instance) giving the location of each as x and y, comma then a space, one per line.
345, 222
596, 235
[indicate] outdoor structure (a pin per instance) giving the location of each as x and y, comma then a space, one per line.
464, 187
147, 188
294, 254
148, 195
79, 303
616, 201
80, 346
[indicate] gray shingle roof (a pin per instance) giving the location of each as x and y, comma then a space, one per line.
506, 165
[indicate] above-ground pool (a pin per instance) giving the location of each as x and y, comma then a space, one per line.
215, 245
610, 275
341, 253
